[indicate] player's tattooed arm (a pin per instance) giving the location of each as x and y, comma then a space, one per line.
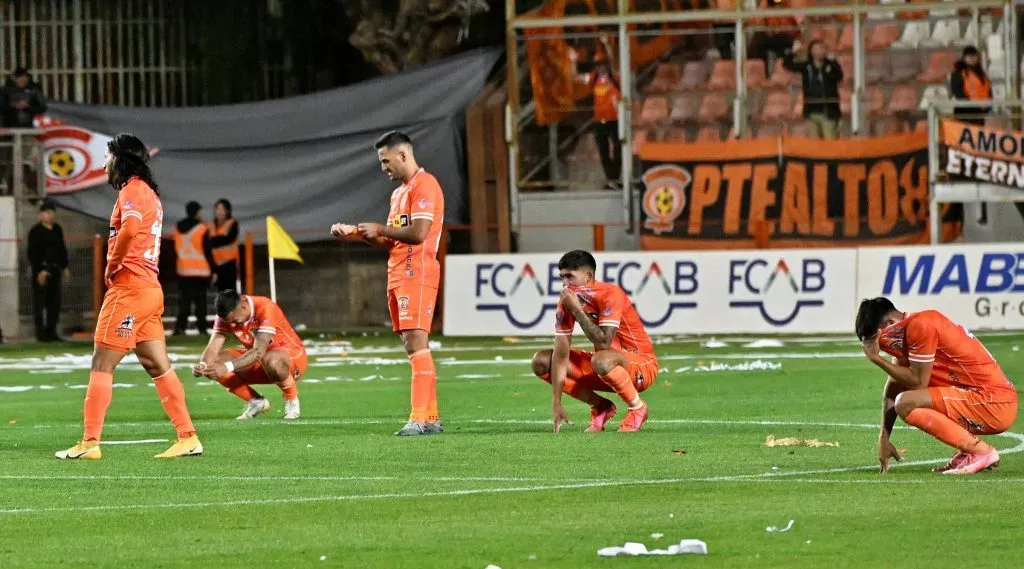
600, 336
209, 356
259, 348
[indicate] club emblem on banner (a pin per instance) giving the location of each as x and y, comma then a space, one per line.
664, 196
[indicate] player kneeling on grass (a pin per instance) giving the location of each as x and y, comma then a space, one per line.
942, 380
623, 359
273, 352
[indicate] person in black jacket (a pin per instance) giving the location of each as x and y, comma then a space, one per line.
224, 242
21, 100
48, 256
821, 77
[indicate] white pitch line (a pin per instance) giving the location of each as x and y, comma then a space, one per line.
138, 442
270, 478
538, 488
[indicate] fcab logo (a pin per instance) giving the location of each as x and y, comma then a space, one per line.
777, 291
526, 295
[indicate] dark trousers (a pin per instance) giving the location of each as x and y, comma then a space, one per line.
46, 306
227, 275
609, 148
191, 292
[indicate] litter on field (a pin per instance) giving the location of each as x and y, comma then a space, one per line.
633, 549
771, 441
776, 529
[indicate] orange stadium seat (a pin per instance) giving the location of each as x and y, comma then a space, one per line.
883, 35
903, 99
685, 107
710, 133
845, 62
845, 98
754, 69
799, 129
846, 39
714, 107
782, 77
655, 110
874, 101
675, 135
768, 130
940, 64
723, 75
827, 34
905, 65
778, 106
876, 69
665, 78
887, 126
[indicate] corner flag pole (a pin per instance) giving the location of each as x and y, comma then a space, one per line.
273, 282
279, 246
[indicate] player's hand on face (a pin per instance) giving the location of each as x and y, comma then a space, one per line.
870, 347
560, 416
215, 371
886, 450
569, 299
370, 230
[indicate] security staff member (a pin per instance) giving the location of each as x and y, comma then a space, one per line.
224, 242
48, 255
194, 259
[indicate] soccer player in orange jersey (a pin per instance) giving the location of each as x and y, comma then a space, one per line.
129, 318
273, 352
942, 380
412, 234
623, 359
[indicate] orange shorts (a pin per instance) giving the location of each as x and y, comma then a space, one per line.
411, 307
130, 315
643, 368
981, 412
256, 375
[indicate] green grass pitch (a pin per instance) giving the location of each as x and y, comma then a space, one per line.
337, 489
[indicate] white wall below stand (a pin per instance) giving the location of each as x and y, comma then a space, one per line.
576, 212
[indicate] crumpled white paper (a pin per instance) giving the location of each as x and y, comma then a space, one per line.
685, 546
774, 529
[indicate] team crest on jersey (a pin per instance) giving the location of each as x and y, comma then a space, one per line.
403, 303
422, 203
640, 379
127, 327
665, 196
894, 338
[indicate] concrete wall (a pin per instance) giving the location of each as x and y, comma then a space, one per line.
577, 211
1005, 224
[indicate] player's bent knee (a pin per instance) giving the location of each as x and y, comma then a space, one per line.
605, 361
277, 366
541, 363
906, 402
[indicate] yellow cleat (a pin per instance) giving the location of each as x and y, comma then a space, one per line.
184, 447
84, 450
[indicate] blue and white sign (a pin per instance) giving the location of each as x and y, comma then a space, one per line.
674, 293
979, 286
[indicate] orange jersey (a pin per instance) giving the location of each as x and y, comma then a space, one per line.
606, 99
136, 199
960, 360
608, 305
267, 318
421, 198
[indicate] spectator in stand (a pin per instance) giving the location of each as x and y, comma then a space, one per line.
224, 243
606, 121
21, 100
192, 245
48, 256
821, 77
969, 82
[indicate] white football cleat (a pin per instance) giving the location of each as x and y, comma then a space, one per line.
291, 409
256, 406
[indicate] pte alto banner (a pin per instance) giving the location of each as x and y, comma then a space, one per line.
796, 291
978, 286
983, 153
796, 192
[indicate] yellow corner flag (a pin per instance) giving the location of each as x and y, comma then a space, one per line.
279, 243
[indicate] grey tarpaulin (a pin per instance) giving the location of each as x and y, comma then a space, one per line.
308, 160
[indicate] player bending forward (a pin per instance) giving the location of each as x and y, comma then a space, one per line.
942, 380
412, 235
273, 352
129, 318
623, 359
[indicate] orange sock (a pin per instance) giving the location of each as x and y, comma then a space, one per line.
97, 399
424, 381
239, 388
946, 430
172, 397
618, 379
573, 389
289, 389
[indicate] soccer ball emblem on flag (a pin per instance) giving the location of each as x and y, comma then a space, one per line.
665, 196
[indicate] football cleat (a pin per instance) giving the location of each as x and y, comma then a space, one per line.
975, 463
635, 419
411, 429
255, 406
183, 447
291, 409
600, 415
84, 450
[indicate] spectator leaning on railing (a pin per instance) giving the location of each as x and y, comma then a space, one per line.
821, 77
968, 82
21, 100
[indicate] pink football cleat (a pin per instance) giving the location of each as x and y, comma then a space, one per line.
955, 462
635, 419
975, 463
599, 416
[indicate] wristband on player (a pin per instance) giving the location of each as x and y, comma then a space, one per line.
230, 366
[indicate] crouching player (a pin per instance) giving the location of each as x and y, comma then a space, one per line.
623, 359
942, 380
273, 352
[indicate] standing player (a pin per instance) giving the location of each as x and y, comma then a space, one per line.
942, 380
412, 233
129, 318
623, 359
273, 352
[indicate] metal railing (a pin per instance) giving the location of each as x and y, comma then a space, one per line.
20, 150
